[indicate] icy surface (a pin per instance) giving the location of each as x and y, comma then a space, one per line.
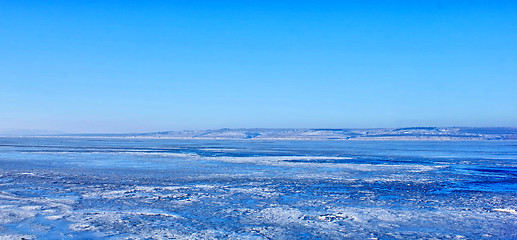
91, 188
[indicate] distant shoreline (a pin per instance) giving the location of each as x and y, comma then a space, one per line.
373, 134
273, 139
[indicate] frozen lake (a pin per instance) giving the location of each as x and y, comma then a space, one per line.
63, 188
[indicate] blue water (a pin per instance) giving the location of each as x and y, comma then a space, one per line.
84, 188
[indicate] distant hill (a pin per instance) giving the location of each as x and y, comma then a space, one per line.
410, 133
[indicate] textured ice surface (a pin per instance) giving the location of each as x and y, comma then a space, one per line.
68, 188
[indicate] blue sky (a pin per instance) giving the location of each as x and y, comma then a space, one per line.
136, 66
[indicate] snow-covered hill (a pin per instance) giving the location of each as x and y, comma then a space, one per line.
411, 133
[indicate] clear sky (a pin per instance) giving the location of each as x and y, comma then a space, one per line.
136, 66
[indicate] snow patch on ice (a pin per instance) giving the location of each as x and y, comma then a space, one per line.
506, 210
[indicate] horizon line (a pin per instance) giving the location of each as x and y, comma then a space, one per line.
49, 132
